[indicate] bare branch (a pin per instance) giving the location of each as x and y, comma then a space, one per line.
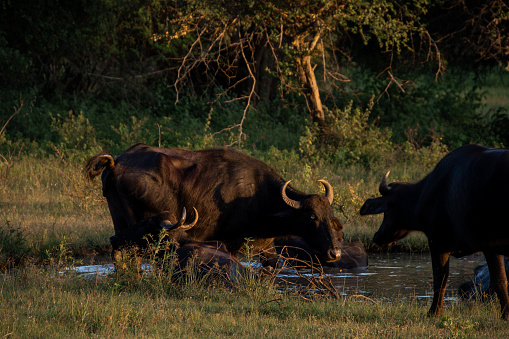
184, 70
179, 76
16, 111
430, 39
392, 80
272, 49
251, 94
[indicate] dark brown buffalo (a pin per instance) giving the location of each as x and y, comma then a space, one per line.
148, 230
210, 259
460, 206
295, 252
206, 258
236, 195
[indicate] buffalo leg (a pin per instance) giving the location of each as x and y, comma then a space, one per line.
440, 263
498, 280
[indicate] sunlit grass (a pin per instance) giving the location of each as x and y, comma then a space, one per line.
49, 204
39, 302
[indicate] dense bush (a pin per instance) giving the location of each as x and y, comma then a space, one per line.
347, 137
452, 106
102, 75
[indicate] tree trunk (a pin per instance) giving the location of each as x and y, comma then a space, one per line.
313, 92
308, 78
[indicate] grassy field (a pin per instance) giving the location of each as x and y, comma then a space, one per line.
40, 302
51, 219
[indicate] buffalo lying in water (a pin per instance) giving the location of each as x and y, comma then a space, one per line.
480, 285
236, 195
295, 252
460, 206
206, 258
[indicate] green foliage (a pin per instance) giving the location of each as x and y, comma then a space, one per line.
133, 132
495, 126
347, 137
448, 107
124, 65
420, 154
457, 327
74, 132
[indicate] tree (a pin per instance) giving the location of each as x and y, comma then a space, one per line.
249, 50
472, 30
230, 38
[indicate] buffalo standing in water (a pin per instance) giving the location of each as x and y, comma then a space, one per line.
460, 206
237, 196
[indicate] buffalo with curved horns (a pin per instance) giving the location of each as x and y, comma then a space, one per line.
208, 258
294, 251
141, 233
236, 195
460, 206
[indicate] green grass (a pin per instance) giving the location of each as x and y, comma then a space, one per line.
41, 303
46, 203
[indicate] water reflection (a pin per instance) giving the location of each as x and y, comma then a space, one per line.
397, 276
388, 276
403, 276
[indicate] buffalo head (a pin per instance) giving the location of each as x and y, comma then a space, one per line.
394, 204
140, 234
312, 219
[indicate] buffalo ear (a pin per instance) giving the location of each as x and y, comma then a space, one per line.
374, 206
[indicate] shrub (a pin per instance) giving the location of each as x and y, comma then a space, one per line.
449, 105
74, 132
13, 246
347, 137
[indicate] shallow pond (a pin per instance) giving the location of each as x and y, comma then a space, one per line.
400, 276
391, 276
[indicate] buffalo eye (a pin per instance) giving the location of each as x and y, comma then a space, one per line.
313, 217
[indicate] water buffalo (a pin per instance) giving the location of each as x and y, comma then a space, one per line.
296, 252
206, 258
479, 286
210, 259
143, 232
236, 195
460, 206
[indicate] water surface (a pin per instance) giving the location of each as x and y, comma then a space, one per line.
399, 275
388, 276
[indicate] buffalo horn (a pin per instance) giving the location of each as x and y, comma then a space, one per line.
329, 193
384, 188
290, 202
180, 224
192, 223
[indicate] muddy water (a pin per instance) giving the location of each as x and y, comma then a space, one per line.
388, 276
400, 276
